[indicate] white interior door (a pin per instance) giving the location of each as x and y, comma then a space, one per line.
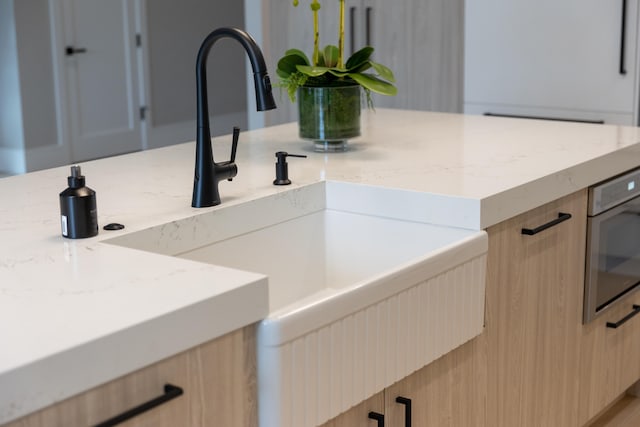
102, 78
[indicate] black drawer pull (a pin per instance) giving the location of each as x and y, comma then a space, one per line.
623, 38
555, 119
352, 29
407, 409
636, 310
561, 218
368, 11
378, 417
170, 392
70, 50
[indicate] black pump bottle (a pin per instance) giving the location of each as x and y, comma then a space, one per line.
78, 209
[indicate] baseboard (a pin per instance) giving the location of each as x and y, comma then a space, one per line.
49, 156
12, 161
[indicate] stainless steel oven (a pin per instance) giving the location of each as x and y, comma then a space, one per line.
613, 243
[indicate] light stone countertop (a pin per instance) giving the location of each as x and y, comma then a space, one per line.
73, 312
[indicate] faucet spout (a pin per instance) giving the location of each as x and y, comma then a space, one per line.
208, 173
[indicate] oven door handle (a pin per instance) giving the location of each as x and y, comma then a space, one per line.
636, 310
561, 218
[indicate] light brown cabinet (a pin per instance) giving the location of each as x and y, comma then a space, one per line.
446, 393
358, 416
218, 379
533, 316
610, 358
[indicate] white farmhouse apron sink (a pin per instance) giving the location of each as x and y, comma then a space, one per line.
361, 293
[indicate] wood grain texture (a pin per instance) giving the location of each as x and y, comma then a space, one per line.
358, 415
625, 413
533, 317
218, 379
610, 361
450, 392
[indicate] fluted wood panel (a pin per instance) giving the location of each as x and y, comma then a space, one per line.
325, 372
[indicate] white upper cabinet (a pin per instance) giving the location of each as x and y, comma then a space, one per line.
575, 59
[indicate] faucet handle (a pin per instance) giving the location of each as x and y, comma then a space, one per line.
234, 143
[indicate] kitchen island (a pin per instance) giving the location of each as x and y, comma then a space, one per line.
70, 308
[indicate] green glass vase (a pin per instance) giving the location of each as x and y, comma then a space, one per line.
330, 115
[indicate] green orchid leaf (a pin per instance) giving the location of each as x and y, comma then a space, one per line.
374, 84
383, 71
359, 57
361, 68
312, 71
331, 55
321, 62
282, 74
300, 53
338, 73
288, 64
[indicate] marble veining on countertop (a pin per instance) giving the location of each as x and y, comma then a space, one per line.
59, 295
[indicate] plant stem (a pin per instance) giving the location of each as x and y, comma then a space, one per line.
341, 37
315, 6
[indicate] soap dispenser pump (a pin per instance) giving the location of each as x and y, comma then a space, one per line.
282, 169
78, 209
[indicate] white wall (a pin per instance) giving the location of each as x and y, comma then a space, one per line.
175, 31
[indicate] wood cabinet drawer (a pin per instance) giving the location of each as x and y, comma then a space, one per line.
218, 379
610, 358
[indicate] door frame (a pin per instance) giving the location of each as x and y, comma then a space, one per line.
62, 151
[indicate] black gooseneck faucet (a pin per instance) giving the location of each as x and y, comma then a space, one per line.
207, 172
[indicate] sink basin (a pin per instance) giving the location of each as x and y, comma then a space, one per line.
347, 265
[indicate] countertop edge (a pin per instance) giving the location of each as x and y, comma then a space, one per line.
52, 373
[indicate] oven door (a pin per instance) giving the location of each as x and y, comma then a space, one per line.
613, 257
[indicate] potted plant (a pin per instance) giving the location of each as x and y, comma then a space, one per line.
328, 89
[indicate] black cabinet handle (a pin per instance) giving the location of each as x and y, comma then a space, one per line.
407, 409
352, 28
636, 310
368, 12
378, 417
561, 218
70, 50
623, 38
555, 119
170, 392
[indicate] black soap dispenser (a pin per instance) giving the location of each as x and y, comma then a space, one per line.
78, 209
282, 170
